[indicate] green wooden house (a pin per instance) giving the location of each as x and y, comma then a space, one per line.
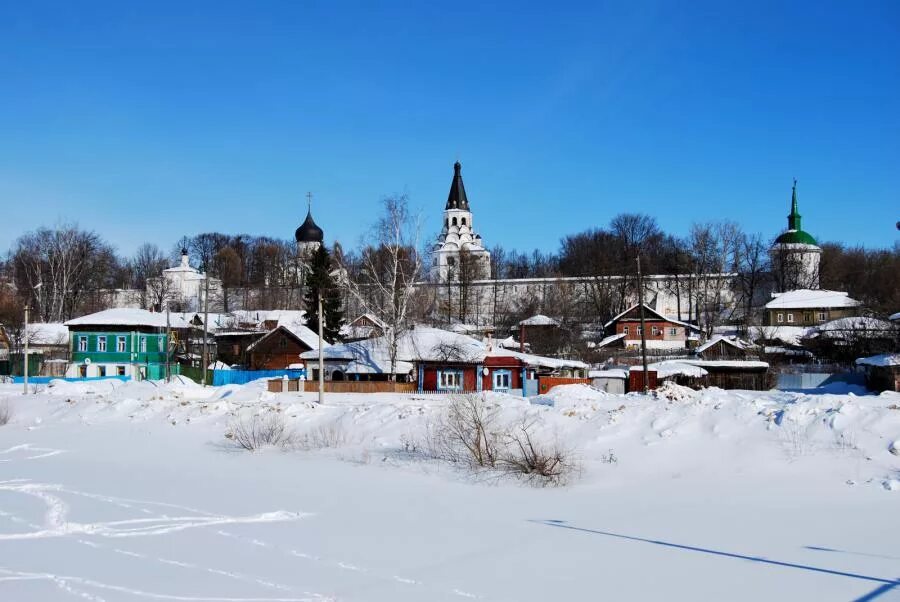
119, 342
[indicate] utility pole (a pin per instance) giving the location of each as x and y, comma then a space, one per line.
168, 343
643, 331
25, 358
321, 352
204, 358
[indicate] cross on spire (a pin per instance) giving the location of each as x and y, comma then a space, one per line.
309, 201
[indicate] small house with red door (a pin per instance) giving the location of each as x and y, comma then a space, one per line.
660, 331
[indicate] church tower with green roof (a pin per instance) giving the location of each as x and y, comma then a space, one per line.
795, 254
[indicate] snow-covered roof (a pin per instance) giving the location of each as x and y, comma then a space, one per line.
509, 343
539, 320
805, 298
48, 333
420, 344
856, 326
728, 340
789, 335
658, 315
727, 363
611, 339
302, 333
672, 368
613, 373
539, 360
120, 316
884, 359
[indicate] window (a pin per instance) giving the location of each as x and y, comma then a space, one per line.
790, 317
463, 221
282, 342
821, 316
143, 344
780, 317
625, 329
654, 331
101, 343
450, 379
120, 344
161, 343
82, 371
807, 317
101, 370
120, 370
82, 343
673, 332
502, 380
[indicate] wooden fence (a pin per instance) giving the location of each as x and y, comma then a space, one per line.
361, 386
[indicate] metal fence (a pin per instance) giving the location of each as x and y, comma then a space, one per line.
242, 377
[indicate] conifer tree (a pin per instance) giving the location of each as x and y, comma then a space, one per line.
319, 278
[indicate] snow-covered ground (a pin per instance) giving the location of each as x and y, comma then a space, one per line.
130, 491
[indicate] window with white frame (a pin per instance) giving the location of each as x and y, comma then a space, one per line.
82, 343
161, 343
101, 343
654, 331
143, 344
120, 344
450, 379
673, 332
780, 317
502, 380
790, 317
625, 329
821, 316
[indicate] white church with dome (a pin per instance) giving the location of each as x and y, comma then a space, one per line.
459, 248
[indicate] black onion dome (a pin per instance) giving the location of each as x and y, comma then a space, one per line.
309, 231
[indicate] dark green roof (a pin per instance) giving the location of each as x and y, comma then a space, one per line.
797, 237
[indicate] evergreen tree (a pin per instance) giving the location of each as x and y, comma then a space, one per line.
319, 278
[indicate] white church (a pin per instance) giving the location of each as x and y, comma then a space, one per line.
459, 248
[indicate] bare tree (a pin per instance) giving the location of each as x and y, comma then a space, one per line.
385, 279
148, 263
69, 264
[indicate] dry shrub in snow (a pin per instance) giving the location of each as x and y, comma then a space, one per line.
325, 436
538, 462
267, 430
470, 433
5, 414
467, 432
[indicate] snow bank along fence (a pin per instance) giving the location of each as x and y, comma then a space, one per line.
43, 380
545, 383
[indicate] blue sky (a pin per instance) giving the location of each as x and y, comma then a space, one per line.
146, 121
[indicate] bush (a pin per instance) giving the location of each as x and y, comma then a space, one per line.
467, 433
470, 433
537, 462
325, 436
268, 430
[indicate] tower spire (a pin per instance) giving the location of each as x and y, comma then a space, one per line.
794, 217
457, 197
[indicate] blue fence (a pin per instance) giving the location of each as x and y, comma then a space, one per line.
241, 377
43, 380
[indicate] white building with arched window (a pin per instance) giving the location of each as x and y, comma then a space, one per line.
459, 253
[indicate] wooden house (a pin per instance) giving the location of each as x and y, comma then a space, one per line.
660, 331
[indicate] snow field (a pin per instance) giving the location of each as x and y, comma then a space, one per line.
130, 491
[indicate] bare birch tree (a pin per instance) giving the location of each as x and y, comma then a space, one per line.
385, 277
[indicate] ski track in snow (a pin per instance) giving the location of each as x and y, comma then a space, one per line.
57, 524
